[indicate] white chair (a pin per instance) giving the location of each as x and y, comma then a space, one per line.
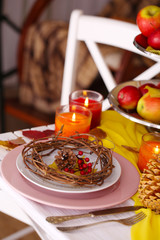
93, 30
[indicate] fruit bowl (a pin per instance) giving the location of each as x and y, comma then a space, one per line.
132, 115
143, 49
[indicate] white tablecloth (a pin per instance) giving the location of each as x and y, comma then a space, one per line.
38, 213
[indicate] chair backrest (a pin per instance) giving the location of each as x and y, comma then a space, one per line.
93, 30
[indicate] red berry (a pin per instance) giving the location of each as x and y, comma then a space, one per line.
71, 171
89, 170
87, 159
80, 167
80, 153
89, 164
82, 172
84, 165
66, 169
80, 161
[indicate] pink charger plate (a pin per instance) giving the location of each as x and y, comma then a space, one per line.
116, 194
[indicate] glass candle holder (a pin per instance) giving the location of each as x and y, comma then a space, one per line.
91, 100
150, 146
74, 119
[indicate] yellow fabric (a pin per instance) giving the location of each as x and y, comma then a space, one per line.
122, 131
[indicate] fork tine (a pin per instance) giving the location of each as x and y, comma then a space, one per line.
135, 219
140, 217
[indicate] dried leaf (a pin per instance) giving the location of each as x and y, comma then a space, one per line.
131, 149
35, 134
49, 132
17, 141
6, 145
99, 133
10, 144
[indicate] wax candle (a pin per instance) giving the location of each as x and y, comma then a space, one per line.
74, 119
150, 146
91, 100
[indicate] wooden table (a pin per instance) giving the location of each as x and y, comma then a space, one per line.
34, 213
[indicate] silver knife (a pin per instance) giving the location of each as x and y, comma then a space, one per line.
60, 219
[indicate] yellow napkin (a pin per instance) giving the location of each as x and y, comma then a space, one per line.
122, 131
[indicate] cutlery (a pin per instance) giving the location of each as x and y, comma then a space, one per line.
60, 219
125, 221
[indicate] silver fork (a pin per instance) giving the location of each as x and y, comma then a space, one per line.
125, 221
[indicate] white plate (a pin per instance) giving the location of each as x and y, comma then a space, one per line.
126, 187
64, 188
132, 116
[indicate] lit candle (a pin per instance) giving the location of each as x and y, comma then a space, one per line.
91, 100
149, 148
74, 119
156, 150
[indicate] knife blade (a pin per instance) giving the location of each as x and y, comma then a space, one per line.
60, 219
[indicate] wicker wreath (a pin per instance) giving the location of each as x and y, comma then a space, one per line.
34, 152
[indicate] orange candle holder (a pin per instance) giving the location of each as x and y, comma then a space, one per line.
74, 120
91, 100
150, 147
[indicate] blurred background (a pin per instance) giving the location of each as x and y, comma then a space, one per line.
27, 31
17, 12
33, 36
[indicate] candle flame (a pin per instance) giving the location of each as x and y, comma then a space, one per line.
86, 102
156, 150
73, 117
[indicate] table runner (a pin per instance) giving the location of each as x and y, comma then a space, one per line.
122, 131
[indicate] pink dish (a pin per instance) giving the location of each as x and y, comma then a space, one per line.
116, 194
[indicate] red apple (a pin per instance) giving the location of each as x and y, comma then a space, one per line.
158, 85
144, 90
148, 19
128, 97
154, 39
141, 40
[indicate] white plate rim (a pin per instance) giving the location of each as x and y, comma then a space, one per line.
62, 188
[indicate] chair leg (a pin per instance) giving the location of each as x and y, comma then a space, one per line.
19, 234
126, 59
